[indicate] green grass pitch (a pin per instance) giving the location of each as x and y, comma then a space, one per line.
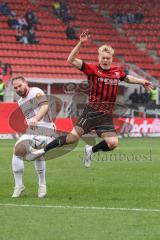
118, 197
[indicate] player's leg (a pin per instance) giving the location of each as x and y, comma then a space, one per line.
103, 124
80, 128
73, 137
70, 138
21, 149
109, 142
18, 168
40, 167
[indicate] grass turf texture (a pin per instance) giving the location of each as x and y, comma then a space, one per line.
129, 178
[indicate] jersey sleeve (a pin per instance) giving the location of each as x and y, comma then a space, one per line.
87, 68
122, 75
40, 97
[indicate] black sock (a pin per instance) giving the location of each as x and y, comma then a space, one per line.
102, 146
58, 142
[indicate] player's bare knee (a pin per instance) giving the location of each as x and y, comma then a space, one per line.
19, 150
112, 144
18, 153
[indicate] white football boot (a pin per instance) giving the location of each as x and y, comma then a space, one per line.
87, 156
18, 191
42, 191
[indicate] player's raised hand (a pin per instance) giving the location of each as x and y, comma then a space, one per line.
148, 85
85, 36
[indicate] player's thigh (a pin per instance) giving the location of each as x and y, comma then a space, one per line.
22, 146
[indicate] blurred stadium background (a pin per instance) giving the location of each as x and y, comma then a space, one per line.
132, 28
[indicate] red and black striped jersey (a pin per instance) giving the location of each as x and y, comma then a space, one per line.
103, 85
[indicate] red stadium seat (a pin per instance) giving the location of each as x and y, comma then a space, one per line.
49, 57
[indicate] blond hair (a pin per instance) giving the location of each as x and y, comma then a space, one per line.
106, 48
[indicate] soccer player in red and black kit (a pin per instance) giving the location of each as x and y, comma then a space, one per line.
103, 79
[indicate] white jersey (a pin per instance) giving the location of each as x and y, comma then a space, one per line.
30, 105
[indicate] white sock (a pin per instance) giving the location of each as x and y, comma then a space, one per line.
40, 167
17, 168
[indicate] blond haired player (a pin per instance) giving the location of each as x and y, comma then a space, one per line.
103, 79
34, 106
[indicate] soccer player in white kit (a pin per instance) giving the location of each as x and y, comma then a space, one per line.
35, 108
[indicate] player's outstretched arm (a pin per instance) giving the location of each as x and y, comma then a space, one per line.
40, 114
134, 80
72, 58
42, 111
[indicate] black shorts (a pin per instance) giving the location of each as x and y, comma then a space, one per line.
93, 120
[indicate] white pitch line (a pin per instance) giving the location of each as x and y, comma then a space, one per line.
79, 207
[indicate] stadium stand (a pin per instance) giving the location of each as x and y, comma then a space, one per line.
144, 36
47, 59
134, 43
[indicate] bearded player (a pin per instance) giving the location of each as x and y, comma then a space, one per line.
35, 108
103, 79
